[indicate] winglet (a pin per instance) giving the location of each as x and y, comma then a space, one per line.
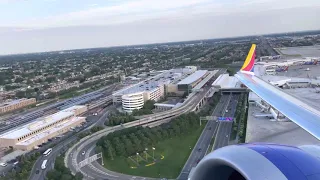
248, 65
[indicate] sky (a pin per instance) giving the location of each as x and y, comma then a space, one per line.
47, 25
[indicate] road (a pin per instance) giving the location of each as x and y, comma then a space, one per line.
63, 146
95, 170
202, 146
225, 128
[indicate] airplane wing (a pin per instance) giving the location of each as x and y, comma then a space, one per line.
297, 111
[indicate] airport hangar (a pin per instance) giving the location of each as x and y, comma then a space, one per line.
174, 81
29, 136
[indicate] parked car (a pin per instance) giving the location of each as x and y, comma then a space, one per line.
3, 164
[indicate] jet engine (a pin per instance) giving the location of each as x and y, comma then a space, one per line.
259, 161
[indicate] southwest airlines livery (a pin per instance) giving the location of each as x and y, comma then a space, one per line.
299, 112
265, 161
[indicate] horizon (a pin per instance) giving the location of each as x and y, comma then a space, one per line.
156, 43
55, 25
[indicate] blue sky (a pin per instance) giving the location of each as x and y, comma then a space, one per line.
45, 25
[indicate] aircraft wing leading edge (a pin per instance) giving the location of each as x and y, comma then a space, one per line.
297, 111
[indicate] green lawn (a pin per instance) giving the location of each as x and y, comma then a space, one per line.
175, 151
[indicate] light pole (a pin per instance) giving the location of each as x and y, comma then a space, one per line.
146, 149
102, 159
153, 148
137, 158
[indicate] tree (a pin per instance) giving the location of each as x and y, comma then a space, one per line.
18, 80
78, 176
66, 177
50, 79
53, 175
130, 149
149, 104
96, 129
20, 94
99, 149
119, 146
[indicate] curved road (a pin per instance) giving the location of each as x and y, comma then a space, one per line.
95, 170
37, 173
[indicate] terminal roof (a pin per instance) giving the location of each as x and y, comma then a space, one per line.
193, 77
38, 124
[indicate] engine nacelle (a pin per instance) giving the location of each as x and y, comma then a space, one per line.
259, 161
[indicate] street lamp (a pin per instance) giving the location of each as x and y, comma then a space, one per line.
146, 149
145, 152
153, 148
137, 157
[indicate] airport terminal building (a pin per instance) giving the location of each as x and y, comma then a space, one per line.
37, 132
153, 88
16, 104
175, 82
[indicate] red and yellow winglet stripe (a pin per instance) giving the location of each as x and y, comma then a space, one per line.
249, 63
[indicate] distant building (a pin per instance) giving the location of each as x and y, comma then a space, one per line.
35, 133
153, 88
226, 83
16, 104
191, 81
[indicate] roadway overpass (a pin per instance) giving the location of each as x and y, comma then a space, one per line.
194, 102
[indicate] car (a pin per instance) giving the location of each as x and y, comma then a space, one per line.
15, 163
37, 171
4, 164
83, 153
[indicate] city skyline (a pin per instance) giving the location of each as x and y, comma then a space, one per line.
55, 25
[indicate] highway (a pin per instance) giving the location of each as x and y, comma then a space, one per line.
225, 128
203, 143
200, 149
73, 157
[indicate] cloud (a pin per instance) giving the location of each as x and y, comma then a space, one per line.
146, 21
202, 26
139, 10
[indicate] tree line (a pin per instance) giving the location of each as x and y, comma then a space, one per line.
60, 172
117, 118
208, 109
22, 170
241, 117
129, 141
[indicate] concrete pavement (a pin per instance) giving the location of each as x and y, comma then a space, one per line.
201, 148
225, 128
72, 155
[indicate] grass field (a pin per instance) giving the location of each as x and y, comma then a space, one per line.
175, 152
